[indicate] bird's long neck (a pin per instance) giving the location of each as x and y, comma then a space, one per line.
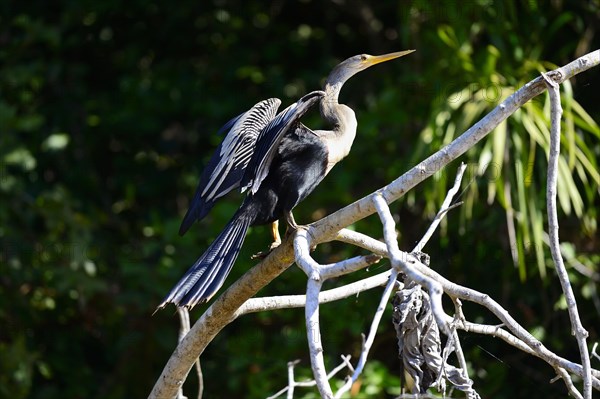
343, 122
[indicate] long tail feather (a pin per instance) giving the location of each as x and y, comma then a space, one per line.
207, 275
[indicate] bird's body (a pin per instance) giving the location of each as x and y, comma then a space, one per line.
298, 167
279, 161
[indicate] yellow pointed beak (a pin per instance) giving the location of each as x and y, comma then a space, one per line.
376, 59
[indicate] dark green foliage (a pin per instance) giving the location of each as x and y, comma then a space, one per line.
108, 110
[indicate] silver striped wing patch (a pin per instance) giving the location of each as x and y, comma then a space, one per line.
237, 148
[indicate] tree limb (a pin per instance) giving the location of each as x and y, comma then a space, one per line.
578, 330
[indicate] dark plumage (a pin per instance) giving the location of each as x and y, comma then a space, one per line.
225, 169
284, 148
278, 161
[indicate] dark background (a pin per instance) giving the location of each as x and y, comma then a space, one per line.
109, 110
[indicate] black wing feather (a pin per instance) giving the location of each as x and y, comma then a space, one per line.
270, 137
208, 273
225, 169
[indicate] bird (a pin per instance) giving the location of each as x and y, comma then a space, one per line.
278, 162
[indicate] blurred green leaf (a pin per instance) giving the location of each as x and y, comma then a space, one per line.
55, 142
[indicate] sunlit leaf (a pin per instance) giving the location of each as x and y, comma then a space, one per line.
55, 142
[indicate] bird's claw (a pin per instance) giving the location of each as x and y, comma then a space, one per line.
292, 227
264, 254
261, 255
274, 245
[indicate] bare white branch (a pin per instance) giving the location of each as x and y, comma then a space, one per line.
405, 263
521, 339
459, 317
594, 353
363, 241
562, 373
262, 304
385, 298
580, 333
291, 379
313, 333
184, 328
313, 329
443, 210
310, 383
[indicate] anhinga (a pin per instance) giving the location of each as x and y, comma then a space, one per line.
279, 161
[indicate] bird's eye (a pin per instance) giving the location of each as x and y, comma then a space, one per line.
363, 57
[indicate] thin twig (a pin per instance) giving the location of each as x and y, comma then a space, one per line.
184, 322
311, 383
594, 353
458, 318
443, 209
562, 373
263, 304
385, 298
530, 344
200, 376
580, 333
184, 328
291, 379
499, 332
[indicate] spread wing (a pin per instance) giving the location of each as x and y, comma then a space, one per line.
225, 169
270, 137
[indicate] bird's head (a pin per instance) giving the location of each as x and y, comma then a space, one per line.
349, 67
